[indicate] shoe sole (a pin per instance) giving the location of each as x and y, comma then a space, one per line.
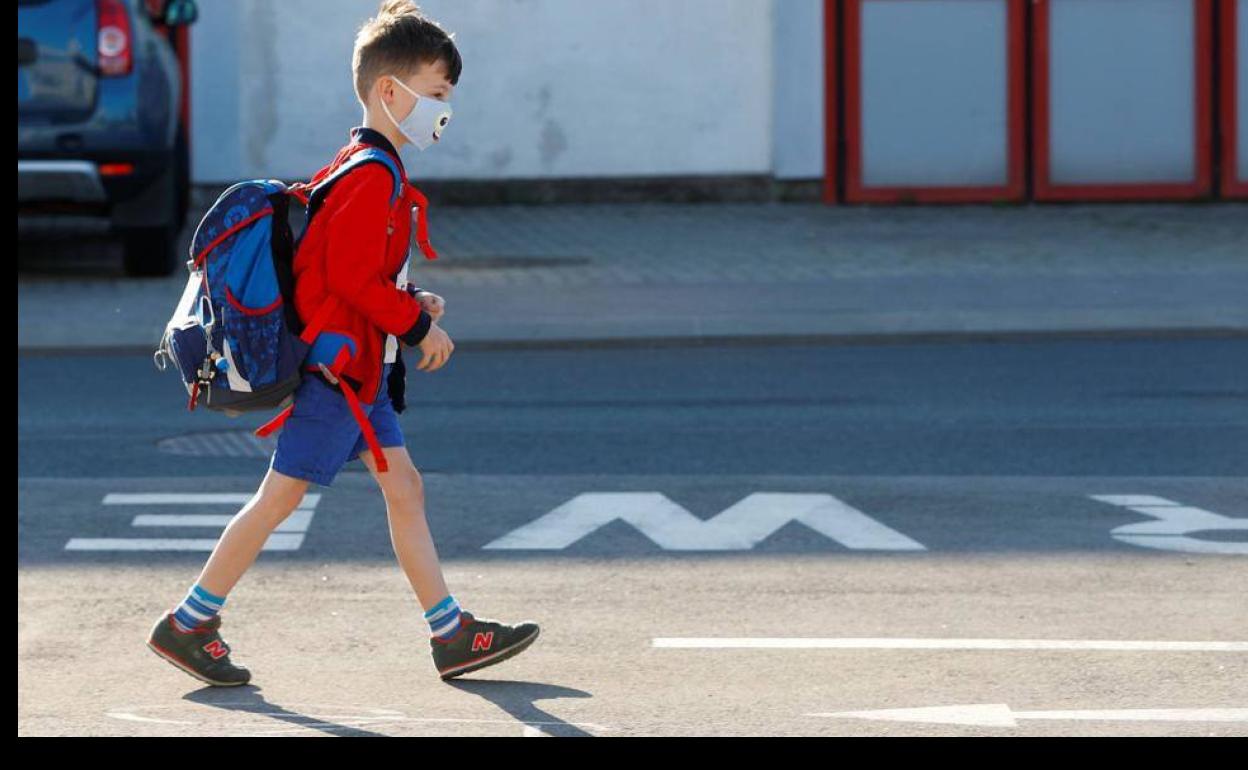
168, 656
490, 660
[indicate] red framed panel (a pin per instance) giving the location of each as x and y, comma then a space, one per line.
1200, 186
184, 63
831, 52
1014, 188
180, 38
1232, 185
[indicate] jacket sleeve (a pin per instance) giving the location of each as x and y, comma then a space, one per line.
355, 255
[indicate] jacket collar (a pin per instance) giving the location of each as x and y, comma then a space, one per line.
373, 137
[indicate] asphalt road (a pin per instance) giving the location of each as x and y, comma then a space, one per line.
1057, 408
1015, 533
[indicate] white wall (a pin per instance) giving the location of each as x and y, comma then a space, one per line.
551, 88
798, 135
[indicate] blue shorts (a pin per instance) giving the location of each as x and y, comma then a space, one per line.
321, 434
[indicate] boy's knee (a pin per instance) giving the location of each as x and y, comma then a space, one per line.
276, 507
414, 486
401, 471
405, 488
279, 500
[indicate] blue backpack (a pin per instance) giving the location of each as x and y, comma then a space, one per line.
234, 336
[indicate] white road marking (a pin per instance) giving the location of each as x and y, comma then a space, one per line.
276, 542
364, 721
298, 521
135, 718
852, 643
342, 719
738, 528
1173, 523
287, 536
309, 500
1000, 715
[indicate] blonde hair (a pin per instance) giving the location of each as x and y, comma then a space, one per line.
396, 42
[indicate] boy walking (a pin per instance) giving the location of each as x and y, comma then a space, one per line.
352, 260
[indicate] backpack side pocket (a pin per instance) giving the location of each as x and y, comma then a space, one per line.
259, 344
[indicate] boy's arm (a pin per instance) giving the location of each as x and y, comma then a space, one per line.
356, 251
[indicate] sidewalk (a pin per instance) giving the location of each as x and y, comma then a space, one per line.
545, 275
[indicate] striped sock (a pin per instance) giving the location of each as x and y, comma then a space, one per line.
443, 618
198, 607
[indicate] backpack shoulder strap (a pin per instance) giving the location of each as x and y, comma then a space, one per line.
368, 154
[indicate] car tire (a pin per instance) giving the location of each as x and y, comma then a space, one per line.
150, 251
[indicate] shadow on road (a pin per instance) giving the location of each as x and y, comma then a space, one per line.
247, 699
518, 699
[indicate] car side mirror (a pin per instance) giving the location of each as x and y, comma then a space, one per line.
180, 13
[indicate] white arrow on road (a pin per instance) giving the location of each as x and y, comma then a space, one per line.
1172, 525
738, 528
1000, 715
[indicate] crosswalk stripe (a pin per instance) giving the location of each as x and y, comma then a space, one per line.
299, 521
276, 542
309, 500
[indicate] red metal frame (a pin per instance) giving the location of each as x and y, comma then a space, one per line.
1198, 187
831, 51
184, 62
1012, 190
1232, 187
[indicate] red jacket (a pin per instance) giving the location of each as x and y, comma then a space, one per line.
353, 250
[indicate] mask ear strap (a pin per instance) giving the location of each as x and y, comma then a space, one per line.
383, 101
405, 88
389, 114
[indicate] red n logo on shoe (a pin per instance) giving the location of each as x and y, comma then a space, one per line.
216, 649
482, 641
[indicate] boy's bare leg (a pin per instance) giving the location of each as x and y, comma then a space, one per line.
404, 492
246, 533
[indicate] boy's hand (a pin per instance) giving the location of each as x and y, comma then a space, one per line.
437, 348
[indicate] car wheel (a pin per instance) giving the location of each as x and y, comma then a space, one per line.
150, 251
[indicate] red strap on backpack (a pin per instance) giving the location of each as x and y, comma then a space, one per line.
422, 223
317, 324
353, 402
366, 427
274, 425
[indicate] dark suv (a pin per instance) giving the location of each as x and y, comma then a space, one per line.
101, 138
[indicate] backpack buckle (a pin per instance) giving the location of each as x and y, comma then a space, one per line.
206, 372
328, 374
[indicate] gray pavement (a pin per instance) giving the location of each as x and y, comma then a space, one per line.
1072, 493
518, 275
360, 665
1061, 522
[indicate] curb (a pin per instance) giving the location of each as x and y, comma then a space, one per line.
866, 338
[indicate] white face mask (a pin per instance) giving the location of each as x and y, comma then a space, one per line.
423, 125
